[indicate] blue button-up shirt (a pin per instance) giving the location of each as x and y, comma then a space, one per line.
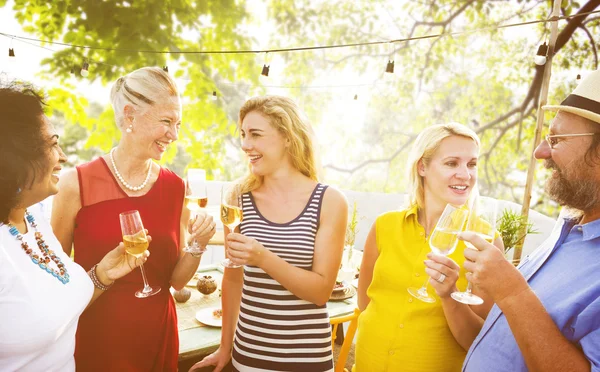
565, 275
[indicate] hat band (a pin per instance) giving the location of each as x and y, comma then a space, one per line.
583, 103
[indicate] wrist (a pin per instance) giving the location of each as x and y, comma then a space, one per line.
101, 274
448, 294
194, 249
262, 256
508, 301
197, 255
99, 278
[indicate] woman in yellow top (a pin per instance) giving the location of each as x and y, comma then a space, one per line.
397, 332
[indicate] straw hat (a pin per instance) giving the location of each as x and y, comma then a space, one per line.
585, 99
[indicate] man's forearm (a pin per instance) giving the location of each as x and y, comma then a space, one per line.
543, 346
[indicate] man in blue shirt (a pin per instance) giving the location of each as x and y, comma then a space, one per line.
546, 315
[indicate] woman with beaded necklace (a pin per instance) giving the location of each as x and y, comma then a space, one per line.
42, 292
135, 334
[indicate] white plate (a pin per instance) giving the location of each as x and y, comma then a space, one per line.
205, 316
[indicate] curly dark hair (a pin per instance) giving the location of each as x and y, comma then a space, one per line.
23, 144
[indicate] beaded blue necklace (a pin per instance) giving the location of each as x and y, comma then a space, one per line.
48, 255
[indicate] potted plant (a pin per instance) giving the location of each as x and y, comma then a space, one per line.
511, 226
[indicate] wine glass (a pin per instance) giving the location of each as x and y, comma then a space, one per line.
231, 215
442, 241
482, 221
196, 198
136, 243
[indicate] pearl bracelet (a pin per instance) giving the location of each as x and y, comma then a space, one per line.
96, 281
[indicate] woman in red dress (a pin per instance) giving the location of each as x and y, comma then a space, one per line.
121, 332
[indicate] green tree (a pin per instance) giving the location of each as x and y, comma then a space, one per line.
113, 31
485, 79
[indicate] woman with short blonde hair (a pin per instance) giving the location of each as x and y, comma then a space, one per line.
135, 334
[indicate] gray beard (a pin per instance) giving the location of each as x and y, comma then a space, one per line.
572, 187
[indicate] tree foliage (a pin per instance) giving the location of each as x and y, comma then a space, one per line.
484, 79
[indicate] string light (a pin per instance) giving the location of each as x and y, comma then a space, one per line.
237, 51
214, 95
166, 69
84, 69
578, 77
265, 70
541, 56
390, 67
11, 52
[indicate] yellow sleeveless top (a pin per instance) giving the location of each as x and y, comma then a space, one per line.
398, 332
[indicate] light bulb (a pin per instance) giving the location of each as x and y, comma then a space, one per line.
11, 56
84, 69
540, 57
265, 70
540, 60
390, 67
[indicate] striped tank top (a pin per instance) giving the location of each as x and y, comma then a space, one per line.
276, 330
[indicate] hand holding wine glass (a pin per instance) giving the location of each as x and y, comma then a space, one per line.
482, 222
443, 241
136, 244
196, 199
118, 263
231, 215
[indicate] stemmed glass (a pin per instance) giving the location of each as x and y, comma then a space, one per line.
231, 215
443, 241
136, 243
196, 199
482, 221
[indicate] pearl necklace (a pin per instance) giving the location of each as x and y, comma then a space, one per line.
47, 256
122, 180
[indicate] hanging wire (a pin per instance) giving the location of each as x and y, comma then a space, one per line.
298, 49
243, 85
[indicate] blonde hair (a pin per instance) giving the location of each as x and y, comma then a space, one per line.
425, 146
141, 88
285, 116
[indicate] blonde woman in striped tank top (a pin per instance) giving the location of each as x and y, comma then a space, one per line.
290, 243
397, 332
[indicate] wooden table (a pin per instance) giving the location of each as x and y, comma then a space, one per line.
197, 340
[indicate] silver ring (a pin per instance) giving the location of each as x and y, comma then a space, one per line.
441, 278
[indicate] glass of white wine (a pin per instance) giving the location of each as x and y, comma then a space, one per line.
442, 241
482, 221
196, 199
136, 243
231, 215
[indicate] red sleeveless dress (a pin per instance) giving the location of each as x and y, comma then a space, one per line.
120, 332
